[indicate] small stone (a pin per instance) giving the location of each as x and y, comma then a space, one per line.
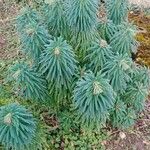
146, 142
104, 142
131, 12
122, 135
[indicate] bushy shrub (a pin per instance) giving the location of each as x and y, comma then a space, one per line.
17, 126
117, 10
117, 70
27, 82
98, 54
93, 98
58, 63
79, 59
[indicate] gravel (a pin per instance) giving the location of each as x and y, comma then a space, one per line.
144, 3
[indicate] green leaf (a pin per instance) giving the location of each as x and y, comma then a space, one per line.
98, 55
92, 98
32, 84
117, 10
117, 70
16, 132
33, 39
124, 40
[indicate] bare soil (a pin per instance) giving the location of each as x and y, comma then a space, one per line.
8, 36
136, 138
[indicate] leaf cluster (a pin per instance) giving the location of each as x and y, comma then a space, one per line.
80, 61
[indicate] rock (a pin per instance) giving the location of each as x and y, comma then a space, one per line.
122, 135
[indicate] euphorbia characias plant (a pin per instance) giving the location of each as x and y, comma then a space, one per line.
66, 35
17, 126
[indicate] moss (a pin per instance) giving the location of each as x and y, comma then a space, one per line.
143, 22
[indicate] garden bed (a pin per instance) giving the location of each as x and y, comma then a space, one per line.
137, 137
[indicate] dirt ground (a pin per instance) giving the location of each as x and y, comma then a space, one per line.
136, 138
8, 35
